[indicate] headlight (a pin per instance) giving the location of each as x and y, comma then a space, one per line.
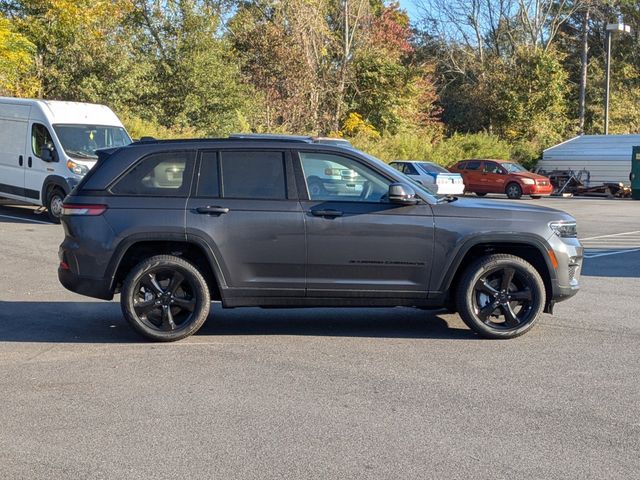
77, 168
564, 229
528, 181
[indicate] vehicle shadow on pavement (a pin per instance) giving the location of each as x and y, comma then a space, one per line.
24, 215
102, 322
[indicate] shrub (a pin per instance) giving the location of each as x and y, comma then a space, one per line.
473, 145
139, 127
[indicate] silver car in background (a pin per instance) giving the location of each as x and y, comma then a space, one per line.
433, 176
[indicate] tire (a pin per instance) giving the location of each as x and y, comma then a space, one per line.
513, 191
482, 287
55, 198
481, 194
159, 305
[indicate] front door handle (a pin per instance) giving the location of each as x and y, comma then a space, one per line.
326, 213
212, 210
20, 160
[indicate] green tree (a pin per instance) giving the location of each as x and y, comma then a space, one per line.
525, 96
17, 62
198, 81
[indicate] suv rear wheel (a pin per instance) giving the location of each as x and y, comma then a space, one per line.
500, 296
165, 298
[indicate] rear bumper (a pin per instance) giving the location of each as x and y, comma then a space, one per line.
88, 286
450, 188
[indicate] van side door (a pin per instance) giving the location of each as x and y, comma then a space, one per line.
37, 169
14, 125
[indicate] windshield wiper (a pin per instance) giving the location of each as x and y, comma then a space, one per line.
81, 154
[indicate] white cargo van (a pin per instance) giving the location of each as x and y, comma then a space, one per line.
46, 147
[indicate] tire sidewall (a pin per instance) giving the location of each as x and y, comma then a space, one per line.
201, 293
466, 294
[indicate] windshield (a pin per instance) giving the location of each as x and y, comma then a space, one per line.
418, 187
513, 167
82, 141
429, 167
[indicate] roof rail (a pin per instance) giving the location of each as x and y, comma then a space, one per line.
271, 136
234, 137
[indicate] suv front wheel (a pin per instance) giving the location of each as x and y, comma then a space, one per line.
500, 296
165, 298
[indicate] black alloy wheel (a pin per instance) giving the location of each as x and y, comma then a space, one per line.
500, 296
165, 298
503, 298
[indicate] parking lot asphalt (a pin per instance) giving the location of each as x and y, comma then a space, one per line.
321, 393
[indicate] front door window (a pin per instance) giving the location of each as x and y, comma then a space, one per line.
332, 177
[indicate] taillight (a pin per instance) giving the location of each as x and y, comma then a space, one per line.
77, 209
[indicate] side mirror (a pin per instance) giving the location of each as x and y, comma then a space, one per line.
402, 193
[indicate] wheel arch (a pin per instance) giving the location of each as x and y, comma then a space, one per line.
133, 250
531, 248
518, 182
53, 181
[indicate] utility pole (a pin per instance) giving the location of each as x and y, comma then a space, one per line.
611, 28
584, 62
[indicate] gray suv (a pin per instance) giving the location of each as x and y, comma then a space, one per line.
176, 224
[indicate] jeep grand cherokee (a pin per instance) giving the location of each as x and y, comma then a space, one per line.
174, 225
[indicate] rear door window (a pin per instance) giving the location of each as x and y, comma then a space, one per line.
473, 165
253, 174
159, 174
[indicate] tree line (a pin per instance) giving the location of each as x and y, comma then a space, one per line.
500, 78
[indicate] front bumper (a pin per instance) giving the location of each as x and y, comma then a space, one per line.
569, 254
541, 190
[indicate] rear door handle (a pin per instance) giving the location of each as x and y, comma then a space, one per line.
29, 162
326, 213
212, 210
20, 160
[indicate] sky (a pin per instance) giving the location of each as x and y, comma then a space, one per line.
410, 7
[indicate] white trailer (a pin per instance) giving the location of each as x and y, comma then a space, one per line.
607, 158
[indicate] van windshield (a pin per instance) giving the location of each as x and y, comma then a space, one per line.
82, 141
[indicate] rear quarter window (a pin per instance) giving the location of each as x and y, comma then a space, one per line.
165, 174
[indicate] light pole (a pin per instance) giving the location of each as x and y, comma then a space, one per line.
611, 28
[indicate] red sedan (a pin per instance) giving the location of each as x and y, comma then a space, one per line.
501, 176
